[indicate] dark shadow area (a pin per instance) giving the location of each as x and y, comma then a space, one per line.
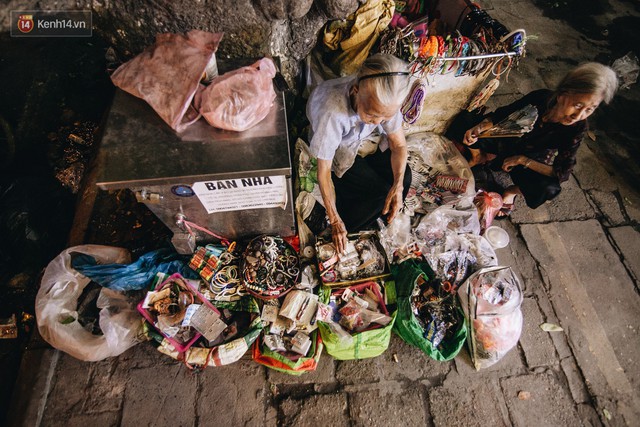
119, 220
619, 120
52, 88
580, 14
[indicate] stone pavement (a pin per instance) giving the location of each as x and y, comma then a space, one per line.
578, 258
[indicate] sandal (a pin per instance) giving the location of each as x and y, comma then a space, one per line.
505, 211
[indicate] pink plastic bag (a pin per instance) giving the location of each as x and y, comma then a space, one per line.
241, 98
488, 205
167, 74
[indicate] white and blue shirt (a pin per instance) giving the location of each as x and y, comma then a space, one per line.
336, 129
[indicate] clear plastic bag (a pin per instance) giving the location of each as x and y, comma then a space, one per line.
453, 266
627, 69
452, 246
396, 238
168, 73
440, 174
480, 248
491, 299
463, 219
239, 99
57, 303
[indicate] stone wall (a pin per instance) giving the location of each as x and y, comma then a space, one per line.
253, 28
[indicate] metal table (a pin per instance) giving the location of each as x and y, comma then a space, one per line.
169, 171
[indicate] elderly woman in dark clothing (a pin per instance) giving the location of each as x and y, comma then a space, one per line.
543, 158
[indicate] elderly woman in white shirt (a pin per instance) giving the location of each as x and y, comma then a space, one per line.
360, 180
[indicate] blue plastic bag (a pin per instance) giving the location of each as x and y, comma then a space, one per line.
134, 276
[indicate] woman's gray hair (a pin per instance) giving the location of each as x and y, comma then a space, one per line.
590, 77
388, 90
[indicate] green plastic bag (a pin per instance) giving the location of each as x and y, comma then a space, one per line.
407, 326
365, 344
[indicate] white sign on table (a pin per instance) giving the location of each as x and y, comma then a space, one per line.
258, 192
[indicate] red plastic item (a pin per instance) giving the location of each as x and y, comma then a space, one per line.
488, 204
294, 241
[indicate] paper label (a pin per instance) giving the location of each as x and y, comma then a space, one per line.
191, 310
207, 322
230, 352
259, 192
269, 313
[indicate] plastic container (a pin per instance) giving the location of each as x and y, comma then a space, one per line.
497, 237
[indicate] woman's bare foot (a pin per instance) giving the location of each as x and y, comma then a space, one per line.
508, 201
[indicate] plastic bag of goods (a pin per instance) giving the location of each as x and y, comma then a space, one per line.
239, 99
429, 317
491, 299
243, 328
290, 341
355, 322
60, 306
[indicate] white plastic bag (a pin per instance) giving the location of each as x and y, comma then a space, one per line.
491, 299
241, 98
57, 301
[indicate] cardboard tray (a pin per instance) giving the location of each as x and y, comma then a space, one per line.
353, 237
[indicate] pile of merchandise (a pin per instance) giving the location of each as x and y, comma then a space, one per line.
291, 324
354, 310
356, 322
213, 320
271, 267
433, 49
181, 314
429, 275
363, 258
434, 306
219, 267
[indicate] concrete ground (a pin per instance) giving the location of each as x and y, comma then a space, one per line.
578, 258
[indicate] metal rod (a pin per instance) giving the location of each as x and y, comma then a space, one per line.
503, 135
464, 58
